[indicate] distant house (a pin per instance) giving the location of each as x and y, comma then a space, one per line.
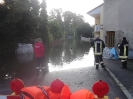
113, 20
97, 13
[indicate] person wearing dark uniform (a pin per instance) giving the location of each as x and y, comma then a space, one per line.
123, 55
98, 46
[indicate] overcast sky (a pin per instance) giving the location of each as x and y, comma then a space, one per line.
77, 6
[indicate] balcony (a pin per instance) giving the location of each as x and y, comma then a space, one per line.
97, 28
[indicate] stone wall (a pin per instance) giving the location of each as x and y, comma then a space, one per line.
118, 36
118, 17
126, 20
110, 14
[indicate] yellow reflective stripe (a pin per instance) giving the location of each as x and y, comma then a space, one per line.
122, 60
124, 51
100, 47
95, 47
97, 53
118, 45
101, 62
123, 56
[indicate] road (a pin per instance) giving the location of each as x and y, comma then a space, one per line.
72, 62
78, 74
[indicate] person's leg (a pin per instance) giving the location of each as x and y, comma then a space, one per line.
37, 63
126, 63
97, 61
123, 63
43, 62
101, 61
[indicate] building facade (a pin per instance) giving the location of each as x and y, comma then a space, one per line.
97, 13
116, 18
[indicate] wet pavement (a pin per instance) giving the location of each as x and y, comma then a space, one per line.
72, 62
77, 78
125, 76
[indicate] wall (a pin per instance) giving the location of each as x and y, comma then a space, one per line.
126, 19
101, 23
118, 17
110, 15
97, 20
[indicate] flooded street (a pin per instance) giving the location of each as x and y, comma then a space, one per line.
72, 62
68, 55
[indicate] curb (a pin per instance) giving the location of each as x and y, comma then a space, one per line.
124, 90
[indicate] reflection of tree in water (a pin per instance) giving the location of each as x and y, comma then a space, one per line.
56, 55
69, 51
83, 47
74, 49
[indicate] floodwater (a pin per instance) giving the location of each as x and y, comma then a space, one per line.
71, 53
72, 61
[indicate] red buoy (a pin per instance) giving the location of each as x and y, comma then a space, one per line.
100, 88
16, 85
56, 86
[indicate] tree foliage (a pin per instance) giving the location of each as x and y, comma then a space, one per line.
56, 24
21, 21
84, 30
55, 30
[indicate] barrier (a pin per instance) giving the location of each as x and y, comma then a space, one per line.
106, 53
24, 48
25, 52
100, 89
85, 39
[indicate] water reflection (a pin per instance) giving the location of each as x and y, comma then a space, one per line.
85, 61
69, 51
9, 77
25, 57
68, 55
72, 54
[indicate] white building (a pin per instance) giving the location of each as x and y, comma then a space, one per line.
114, 19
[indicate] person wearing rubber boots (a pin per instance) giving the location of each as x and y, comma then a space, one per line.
98, 46
123, 54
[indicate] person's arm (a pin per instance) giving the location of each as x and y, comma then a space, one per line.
103, 44
92, 43
120, 46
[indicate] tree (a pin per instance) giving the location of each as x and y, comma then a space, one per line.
71, 21
43, 24
55, 30
67, 16
21, 21
84, 30
56, 24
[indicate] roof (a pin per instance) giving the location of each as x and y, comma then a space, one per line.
95, 11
